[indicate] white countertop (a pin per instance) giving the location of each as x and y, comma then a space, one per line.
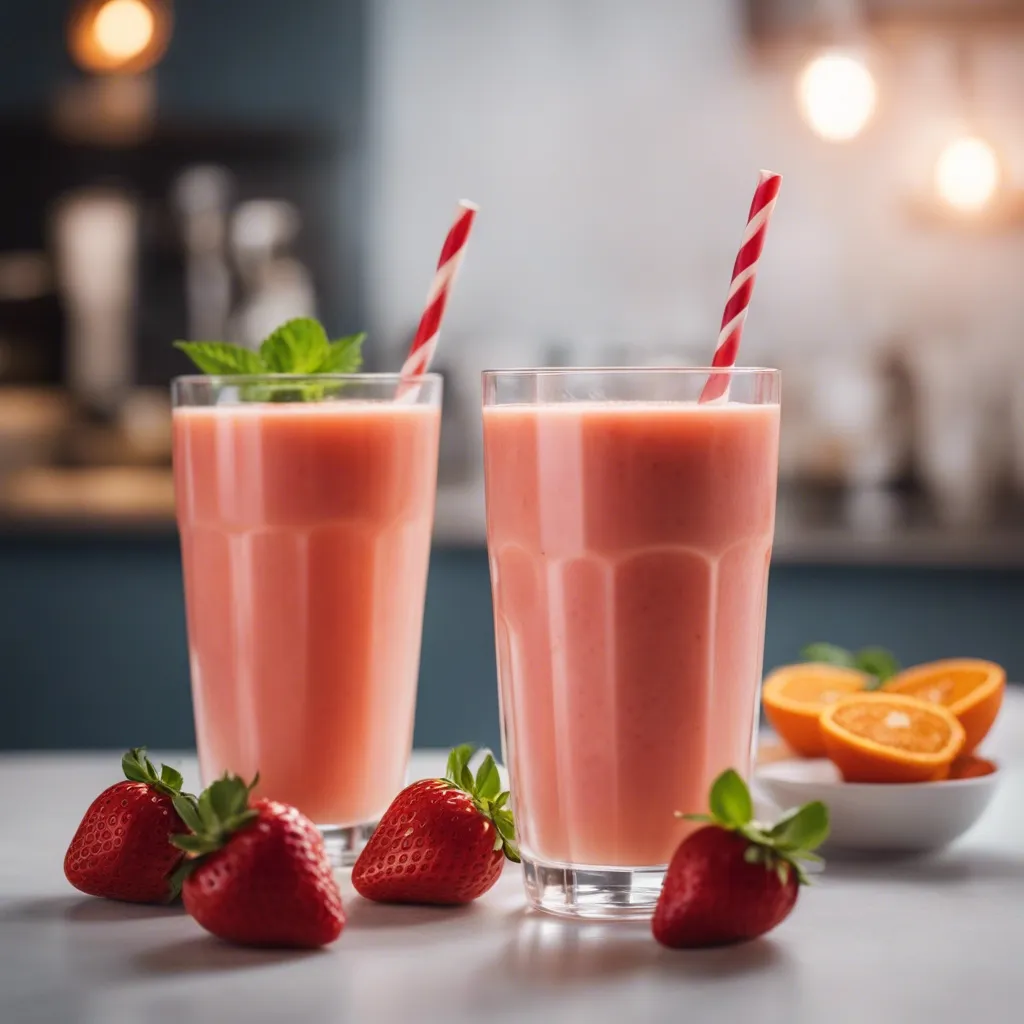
931, 940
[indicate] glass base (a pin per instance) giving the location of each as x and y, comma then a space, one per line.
595, 893
345, 842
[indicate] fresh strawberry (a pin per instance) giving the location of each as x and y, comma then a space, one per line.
258, 874
736, 879
122, 848
441, 841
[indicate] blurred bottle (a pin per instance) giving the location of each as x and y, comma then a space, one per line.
201, 195
276, 285
95, 238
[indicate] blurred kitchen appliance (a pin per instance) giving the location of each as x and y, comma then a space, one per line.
185, 178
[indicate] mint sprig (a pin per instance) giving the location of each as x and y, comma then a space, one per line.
485, 789
298, 346
876, 662
782, 847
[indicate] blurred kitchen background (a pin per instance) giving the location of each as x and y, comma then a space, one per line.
206, 168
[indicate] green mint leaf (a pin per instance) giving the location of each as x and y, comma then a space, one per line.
729, 801
877, 662
344, 355
828, 654
222, 358
298, 346
500, 800
512, 852
803, 828
466, 780
171, 778
488, 781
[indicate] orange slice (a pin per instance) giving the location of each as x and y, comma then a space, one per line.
971, 689
970, 767
888, 737
795, 696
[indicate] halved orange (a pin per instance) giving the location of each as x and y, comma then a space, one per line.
972, 689
889, 737
794, 697
970, 766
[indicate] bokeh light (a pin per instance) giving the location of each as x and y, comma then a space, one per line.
837, 95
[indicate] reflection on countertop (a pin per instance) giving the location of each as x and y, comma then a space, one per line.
815, 525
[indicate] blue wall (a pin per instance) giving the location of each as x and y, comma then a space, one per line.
93, 636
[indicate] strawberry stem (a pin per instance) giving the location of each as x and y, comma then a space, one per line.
781, 847
221, 810
485, 789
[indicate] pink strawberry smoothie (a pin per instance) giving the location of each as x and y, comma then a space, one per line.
305, 536
629, 546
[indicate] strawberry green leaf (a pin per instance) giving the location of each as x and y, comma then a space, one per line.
137, 767
344, 355
221, 810
298, 346
729, 801
483, 788
193, 844
804, 828
222, 358
185, 805
828, 654
488, 782
133, 764
457, 761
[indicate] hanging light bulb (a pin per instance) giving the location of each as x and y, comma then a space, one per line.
837, 95
123, 28
112, 36
967, 174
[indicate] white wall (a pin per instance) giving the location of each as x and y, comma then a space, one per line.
613, 147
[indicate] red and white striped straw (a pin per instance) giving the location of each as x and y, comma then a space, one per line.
424, 344
742, 287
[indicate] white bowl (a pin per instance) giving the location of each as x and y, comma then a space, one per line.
905, 818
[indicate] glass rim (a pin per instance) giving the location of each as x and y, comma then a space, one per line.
622, 371
229, 379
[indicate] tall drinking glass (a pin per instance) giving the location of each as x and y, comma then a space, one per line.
305, 507
629, 530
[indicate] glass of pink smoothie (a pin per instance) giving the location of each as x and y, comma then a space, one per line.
305, 508
629, 531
